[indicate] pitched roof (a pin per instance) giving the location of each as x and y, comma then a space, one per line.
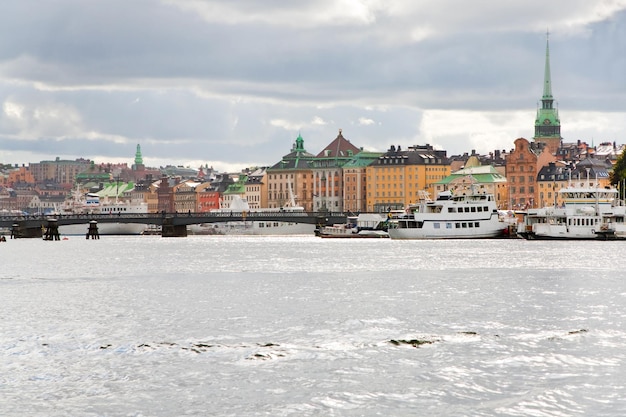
340, 147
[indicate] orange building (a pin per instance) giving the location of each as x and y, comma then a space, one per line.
522, 168
291, 176
395, 179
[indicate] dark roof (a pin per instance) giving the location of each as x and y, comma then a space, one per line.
415, 155
340, 147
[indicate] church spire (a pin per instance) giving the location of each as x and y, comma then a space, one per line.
547, 82
138, 157
138, 165
547, 122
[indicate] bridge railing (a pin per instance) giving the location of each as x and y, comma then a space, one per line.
187, 218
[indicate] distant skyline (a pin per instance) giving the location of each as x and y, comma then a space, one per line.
231, 83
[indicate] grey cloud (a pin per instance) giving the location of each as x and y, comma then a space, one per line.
186, 87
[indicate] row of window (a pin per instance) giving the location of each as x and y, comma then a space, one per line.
471, 209
521, 179
522, 190
404, 224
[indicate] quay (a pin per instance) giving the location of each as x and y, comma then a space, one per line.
172, 224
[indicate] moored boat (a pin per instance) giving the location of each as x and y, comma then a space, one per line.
91, 203
586, 213
240, 206
472, 215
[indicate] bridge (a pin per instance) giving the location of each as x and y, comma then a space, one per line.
173, 224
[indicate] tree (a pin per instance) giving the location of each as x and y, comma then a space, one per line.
618, 176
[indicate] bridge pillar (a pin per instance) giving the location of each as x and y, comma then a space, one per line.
19, 230
169, 229
52, 231
92, 232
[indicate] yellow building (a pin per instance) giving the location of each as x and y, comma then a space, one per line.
396, 177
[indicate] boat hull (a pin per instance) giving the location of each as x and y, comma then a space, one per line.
432, 234
252, 228
104, 229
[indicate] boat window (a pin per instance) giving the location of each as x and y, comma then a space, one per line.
479, 208
464, 225
486, 208
448, 225
476, 224
457, 225
473, 209
436, 225
451, 210
470, 224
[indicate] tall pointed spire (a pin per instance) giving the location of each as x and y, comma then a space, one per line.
547, 122
547, 81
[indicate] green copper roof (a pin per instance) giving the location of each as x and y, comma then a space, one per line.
116, 189
362, 159
483, 174
238, 187
138, 157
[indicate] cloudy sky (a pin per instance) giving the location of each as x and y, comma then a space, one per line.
231, 83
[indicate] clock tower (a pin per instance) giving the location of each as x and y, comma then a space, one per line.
547, 123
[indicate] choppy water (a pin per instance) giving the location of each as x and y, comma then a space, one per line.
236, 326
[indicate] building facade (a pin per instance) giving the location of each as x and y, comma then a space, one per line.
396, 178
328, 191
355, 181
522, 167
291, 177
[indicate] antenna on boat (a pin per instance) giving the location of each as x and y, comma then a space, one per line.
588, 183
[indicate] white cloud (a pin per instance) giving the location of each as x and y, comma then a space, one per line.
318, 121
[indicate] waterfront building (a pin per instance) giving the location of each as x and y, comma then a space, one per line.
292, 175
547, 121
59, 171
151, 197
522, 167
185, 196
236, 190
328, 191
256, 188
593, 171
483, 179
207, 197
165, 195
355, 181
17, 175
395, 179
550, 180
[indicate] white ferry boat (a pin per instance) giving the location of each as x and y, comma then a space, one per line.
463, 216
240, 206
90, 203
587, 213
